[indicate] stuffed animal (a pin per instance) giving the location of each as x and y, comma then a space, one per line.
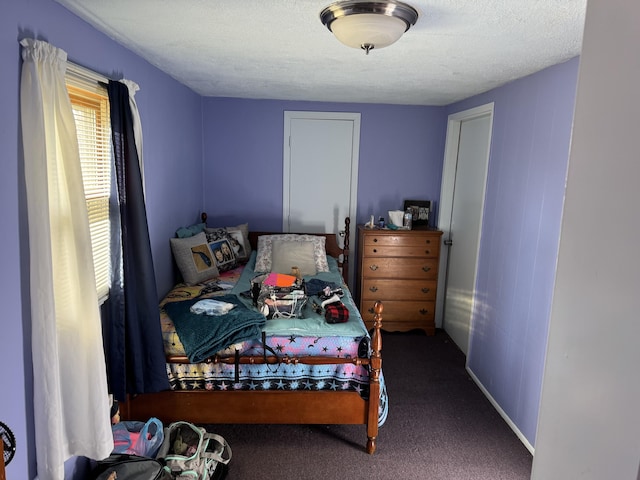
179, 447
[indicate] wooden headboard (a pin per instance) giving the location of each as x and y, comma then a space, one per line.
331, 244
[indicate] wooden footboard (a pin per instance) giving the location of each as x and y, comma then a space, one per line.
271, 407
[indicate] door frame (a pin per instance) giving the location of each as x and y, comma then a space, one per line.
355, 156
447, 191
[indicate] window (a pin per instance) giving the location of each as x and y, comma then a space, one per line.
90, 103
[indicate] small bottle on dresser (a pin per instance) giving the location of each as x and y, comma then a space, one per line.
407, 220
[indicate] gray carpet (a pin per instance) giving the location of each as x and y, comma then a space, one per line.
442, 428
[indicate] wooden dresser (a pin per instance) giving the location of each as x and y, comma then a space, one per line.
400, 268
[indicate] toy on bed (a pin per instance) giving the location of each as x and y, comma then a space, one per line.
323, 368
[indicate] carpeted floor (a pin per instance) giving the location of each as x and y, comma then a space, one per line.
440, 428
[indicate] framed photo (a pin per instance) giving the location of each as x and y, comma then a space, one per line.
421, 210
223, 254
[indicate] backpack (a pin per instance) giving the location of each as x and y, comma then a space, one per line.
129, 467
190, 452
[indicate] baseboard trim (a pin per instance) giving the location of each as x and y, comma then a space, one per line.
502, 413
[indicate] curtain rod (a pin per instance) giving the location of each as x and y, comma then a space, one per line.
87, 73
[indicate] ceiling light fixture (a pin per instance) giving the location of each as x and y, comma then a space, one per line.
368, 25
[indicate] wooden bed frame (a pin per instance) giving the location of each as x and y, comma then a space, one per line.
275, 407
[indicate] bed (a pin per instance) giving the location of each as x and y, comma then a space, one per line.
283, 370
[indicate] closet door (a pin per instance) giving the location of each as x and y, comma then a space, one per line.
320, 171
461, 210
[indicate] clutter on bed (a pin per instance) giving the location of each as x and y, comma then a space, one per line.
293, 349
279, 295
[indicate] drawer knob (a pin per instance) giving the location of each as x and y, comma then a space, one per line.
373, 267
424, 311
375, 250
428, 241
426, 290
427, 252
375, 240
370, 310
426, 269
373, 289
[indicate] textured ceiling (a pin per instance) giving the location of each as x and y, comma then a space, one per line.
279, 49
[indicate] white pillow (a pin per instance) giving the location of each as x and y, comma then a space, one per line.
263, 256
286, 254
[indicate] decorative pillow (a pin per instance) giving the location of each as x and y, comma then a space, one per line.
239, 239
221, 245
214, 234
194, 258
190, 231
287, 254
263, 257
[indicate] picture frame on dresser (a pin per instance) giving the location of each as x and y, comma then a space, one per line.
421, 210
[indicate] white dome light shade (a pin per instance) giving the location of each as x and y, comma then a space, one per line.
357, 31
368, 25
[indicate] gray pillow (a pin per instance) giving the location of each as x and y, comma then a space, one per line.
286, 254
194, 258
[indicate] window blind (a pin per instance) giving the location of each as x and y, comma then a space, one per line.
90, 104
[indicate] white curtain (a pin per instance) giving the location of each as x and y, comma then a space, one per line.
133, 87
71, 401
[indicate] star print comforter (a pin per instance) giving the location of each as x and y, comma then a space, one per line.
293, 338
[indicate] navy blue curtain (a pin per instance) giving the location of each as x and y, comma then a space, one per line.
133, 340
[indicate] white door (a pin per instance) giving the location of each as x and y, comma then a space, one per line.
320, 172
461, 207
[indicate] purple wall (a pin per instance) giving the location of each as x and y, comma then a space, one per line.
520, 236
172, 125
243, 141
193, 146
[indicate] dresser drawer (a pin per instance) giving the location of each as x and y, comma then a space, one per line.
381, 289
395, 310
402, 240
401, 251
400, 268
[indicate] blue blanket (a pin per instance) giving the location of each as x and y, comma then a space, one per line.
204, 335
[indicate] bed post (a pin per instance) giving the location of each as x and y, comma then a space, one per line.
345, 250
374, 378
